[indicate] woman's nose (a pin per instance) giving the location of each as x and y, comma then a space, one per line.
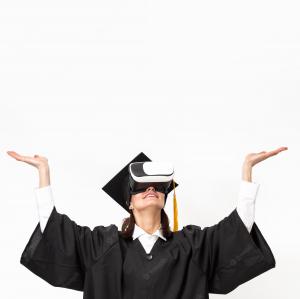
150, 188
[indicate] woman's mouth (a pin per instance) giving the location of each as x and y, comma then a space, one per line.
151, 196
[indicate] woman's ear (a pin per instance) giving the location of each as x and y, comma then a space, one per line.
130, 204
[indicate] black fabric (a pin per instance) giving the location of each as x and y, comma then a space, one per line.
117, 187
191, 264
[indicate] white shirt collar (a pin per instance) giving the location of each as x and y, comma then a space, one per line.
138, 231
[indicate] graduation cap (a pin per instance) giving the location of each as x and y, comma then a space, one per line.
136, 176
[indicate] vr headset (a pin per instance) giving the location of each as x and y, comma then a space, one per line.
145, 174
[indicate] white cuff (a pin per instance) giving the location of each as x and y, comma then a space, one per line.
45, 204
248, 189
246, 202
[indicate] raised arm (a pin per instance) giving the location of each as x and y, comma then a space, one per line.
248, 189
59, 250
43, 194
247, 196
226, 251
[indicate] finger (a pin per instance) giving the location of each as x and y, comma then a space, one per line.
20, 157
283, 148
13, 154
275, 152
280, 149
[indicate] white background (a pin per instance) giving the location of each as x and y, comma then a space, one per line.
91, 84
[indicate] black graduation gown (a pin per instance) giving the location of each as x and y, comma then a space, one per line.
191, 264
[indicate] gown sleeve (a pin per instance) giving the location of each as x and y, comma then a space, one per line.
228, 254
65, 250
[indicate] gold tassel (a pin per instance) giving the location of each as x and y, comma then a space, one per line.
175, 210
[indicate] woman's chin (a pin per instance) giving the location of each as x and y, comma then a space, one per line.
151, 204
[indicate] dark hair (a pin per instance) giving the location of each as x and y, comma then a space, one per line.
129, 222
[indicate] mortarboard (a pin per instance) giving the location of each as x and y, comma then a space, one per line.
118, 188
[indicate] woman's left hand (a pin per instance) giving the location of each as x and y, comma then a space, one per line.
254, 158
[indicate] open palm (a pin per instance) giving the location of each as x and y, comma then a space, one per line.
254, 158
36, 161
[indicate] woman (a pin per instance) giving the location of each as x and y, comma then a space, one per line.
154, 262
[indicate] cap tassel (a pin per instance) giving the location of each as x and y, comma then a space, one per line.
175, 210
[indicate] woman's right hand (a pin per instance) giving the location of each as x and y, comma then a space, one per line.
40, 162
